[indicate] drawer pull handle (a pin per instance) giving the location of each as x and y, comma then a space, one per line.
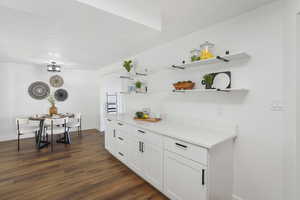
142, 147
121, 154
141, 131
109, 120
120, 138
203, 177
181, 145
120, 124
114, 133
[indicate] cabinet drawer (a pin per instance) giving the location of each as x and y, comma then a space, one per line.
122, 147
122, 155
187, 150
123, 127
110, 122
149, 137
121, 135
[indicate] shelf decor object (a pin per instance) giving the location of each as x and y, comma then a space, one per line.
184, 85
222, 80
56, 81
218, 80
195, 55
215, 60
128, 65
61, 95
206, 50
39, 90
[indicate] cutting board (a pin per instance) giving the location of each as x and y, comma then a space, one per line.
148, 119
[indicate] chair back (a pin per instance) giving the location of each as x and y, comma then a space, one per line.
20, 121
56, 122
76, 118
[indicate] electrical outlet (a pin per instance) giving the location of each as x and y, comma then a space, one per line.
276, 105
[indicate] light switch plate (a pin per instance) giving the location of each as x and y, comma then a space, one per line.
277, 105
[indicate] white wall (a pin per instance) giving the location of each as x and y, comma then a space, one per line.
259, 151
291, 8
15, 101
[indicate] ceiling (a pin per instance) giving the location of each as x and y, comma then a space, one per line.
90, 34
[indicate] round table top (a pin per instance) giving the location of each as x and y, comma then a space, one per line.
46, 116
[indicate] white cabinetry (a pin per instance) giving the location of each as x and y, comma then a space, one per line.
184, 179
147, 156
153, 164
136, 156
179, 169
110, 136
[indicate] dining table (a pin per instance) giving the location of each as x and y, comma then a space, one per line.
42, 141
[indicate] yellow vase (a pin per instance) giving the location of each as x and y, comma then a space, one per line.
52, 110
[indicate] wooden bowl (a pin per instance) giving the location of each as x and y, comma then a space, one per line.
184, 85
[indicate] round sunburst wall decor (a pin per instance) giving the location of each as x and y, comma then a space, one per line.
39, 90
61, 95
56, 81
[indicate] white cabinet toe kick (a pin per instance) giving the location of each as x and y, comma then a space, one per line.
177, 168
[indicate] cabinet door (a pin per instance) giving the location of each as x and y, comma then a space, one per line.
184, 179
153, 164
136, 156
110, 137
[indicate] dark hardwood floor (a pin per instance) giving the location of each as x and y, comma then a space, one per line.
82, 170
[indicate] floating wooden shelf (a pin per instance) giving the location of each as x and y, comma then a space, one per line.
211, 90
218, 59
126, 77
133, 76
133, 93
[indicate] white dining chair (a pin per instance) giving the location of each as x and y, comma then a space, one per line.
25, 126
55, 127
75, 123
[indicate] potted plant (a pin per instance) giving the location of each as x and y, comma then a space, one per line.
138, 86
208, 80
52, 109
128, 65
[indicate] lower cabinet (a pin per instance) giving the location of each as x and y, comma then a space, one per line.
110, 137
136, 156
153, 164
183, 178
146, 160
180, 170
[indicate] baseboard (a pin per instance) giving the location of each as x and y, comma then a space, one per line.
235, 197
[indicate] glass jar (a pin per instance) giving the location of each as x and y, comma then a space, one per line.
206, 50
195, 55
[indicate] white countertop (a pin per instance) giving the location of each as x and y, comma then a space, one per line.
200, 135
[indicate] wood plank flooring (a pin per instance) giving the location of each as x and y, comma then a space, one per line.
82, 170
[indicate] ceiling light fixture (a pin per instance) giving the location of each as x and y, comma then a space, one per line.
53, 67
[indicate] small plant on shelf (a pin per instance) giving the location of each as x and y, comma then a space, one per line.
128, 65
208, 80
138, 84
